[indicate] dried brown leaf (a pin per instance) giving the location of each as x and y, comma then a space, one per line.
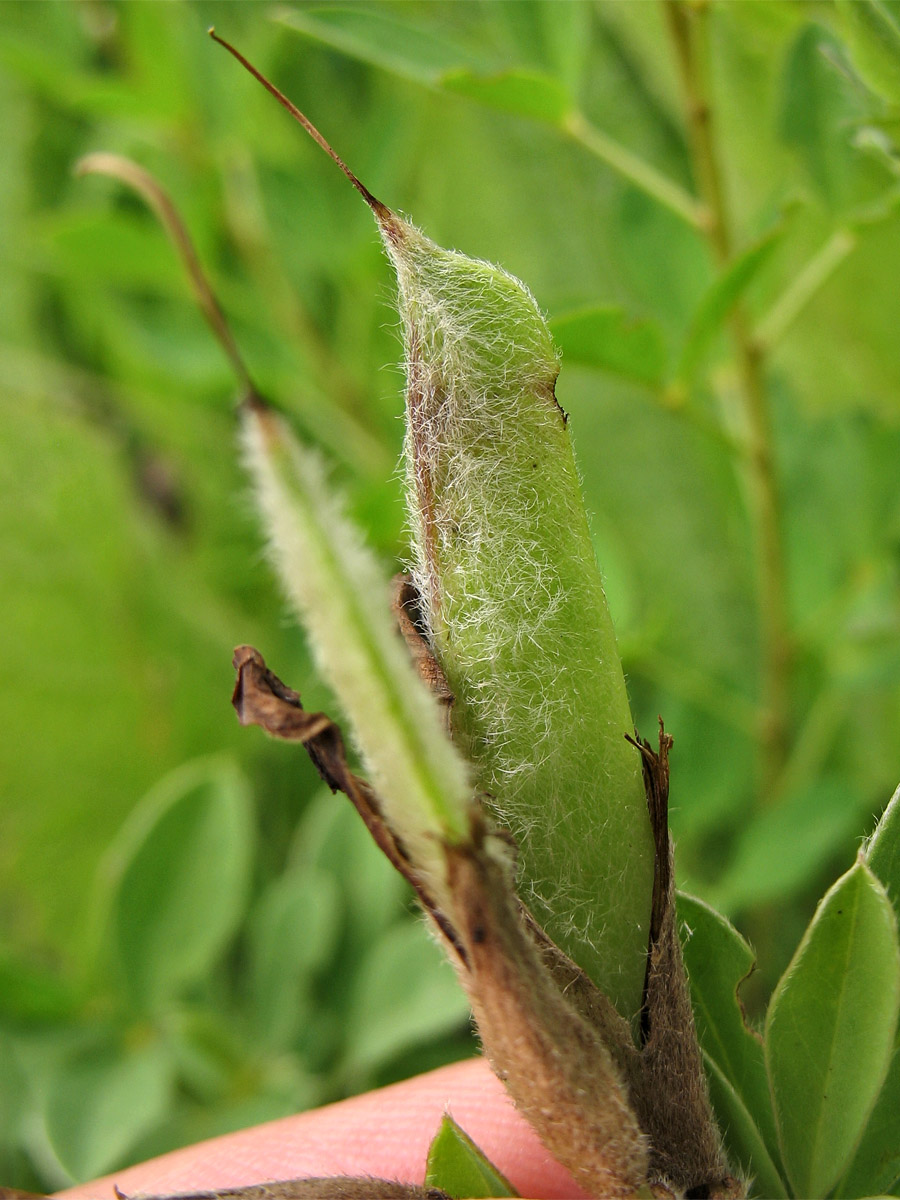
260, 698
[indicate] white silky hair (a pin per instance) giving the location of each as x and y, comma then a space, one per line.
503, 560
342, 597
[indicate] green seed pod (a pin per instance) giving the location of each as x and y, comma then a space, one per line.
513, 600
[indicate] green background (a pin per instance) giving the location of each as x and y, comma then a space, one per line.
131, 562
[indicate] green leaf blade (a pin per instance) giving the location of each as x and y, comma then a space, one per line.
719, 300
883, 851
529, 94
605, 338
876, 1164
103, 1099
457, 1165
744, 1142
830, 1030
179, 874
293, 933
873, 34
406, 993
343, 601
372, 36
815, 104
718, 960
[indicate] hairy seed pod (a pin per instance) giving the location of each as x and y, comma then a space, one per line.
515, 607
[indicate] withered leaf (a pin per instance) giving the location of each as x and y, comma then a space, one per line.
260, 698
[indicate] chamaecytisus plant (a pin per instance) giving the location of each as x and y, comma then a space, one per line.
501, 783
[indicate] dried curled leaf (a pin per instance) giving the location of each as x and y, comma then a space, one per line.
260, 698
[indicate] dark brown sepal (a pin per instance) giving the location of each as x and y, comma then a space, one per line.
669, 1091
406, 606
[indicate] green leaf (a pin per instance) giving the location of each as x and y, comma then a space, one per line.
814, 108
457, 1165
745, 1144
876, 1164
883, 850
718, 960
101, 1100
604, 337
529, 94
873, 35
331, 839
372, 36
720, 299
830, 1030
293, 934
179, 872
405, 994
343, 599
783, 848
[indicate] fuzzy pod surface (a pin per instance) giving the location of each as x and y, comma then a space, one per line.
513, 599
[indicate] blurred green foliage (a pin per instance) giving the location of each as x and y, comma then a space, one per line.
131, 561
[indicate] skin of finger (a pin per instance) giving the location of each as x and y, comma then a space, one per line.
384, 1133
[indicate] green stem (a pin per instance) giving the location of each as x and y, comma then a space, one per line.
773, 326
687, 28
635, 170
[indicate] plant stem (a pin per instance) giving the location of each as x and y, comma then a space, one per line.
687, 28
638, 172
773, 326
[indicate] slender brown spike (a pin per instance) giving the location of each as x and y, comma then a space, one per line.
115, 166
381, 211
333, 1188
